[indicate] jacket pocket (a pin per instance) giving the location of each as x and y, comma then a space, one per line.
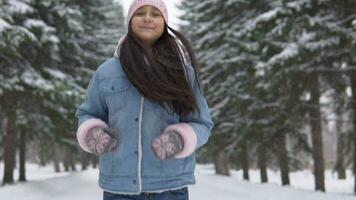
106, 163
115, 90
189, 163
172, 167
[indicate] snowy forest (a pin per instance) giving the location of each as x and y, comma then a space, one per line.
279, 77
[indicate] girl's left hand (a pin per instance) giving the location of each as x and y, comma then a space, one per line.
167, 145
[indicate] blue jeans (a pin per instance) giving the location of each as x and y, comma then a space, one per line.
180, 194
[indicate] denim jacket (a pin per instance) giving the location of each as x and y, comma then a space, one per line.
112, 101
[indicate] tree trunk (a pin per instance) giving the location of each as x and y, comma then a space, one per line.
316, 132
94, 161
261, 161
56, 157
84, 160
71, 161
340, 168
42, 155
66, 160
9, 146
283, 157
22, 156
353, 88
221, 163
339, 165
244, 162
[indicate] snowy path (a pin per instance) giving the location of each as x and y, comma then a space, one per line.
80, 185
213, 187
83, 185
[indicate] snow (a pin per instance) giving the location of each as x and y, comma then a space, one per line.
29, 23
322, 44
262, 18
298, 5
53, 38
38, 23
290, 51
215, 110
56, 73
44, 184
26, 32
3, 25
35, 172
75, 25
267, 16
261, 68
306, 37
63, 11
304, 180
349, 91
19, 7
35, 80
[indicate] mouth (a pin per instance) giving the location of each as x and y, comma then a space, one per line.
146, 28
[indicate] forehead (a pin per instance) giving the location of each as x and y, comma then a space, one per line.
148, 7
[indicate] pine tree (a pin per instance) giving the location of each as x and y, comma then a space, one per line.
199, 28
47, 53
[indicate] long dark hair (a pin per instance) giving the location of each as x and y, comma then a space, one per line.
162, 78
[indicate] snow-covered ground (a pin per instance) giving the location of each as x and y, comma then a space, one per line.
45, 184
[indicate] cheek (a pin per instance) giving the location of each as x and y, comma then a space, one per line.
161, 24
134, 24
160, 29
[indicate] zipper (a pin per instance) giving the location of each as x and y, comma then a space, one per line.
140, 147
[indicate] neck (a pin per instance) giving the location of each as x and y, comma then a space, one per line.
148, 45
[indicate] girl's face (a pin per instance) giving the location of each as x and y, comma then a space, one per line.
148, 24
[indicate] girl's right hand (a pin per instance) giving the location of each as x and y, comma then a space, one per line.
101, 140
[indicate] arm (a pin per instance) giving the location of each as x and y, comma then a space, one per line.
194, 129
91, 113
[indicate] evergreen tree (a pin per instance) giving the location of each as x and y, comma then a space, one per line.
48, 51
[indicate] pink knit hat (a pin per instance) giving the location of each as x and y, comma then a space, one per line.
136, 4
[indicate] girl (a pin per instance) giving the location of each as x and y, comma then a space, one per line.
145, 113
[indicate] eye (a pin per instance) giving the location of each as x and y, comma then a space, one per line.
156, 14
139, 13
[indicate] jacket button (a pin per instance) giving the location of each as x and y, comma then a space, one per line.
134, 181
136, 119
136, 152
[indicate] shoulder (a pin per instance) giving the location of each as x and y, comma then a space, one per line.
110, 68
190, 72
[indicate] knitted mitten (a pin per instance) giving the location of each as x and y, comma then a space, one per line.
101, 140
167, 145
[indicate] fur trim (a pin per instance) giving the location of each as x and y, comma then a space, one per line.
83, 131
189, 138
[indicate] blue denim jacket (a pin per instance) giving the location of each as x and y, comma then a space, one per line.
132, 168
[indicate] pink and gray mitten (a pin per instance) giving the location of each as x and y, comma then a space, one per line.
101, 140
167, 145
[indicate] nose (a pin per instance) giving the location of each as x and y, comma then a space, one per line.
147, 18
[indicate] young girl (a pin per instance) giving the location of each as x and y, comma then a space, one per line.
145, 113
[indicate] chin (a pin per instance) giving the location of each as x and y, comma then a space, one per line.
148, 38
